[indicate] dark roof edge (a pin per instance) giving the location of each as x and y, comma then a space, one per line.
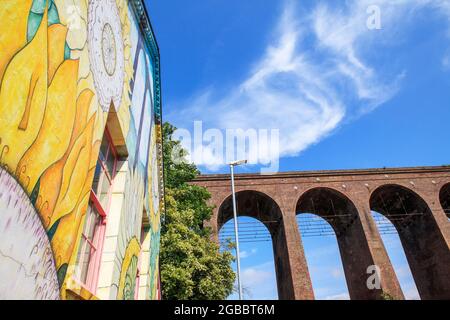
140, 10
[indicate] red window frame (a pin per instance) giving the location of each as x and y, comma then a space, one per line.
96, 244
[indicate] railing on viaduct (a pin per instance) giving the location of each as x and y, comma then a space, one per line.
415, 200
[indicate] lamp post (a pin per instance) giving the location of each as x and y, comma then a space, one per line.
236, 232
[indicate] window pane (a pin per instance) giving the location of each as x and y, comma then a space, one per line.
101, 186
104, 147
103, 191
97, 176
87, 250
92, 222
110, 161
83, 259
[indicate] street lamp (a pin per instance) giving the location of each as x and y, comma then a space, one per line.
236, 233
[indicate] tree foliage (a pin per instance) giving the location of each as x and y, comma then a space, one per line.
192, 266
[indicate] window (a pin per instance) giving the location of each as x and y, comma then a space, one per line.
91, 242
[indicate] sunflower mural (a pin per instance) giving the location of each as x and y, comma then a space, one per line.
144, 176
64, 65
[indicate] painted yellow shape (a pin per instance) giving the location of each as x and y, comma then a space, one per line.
49, 192
85, 82
51, 180
74, 291
13, 29
124, 110
83, 56
66, 237
54, 137
56, 45
75, 173
133, 249
65, 242
23, 94
83, 104
74, 222
95, 153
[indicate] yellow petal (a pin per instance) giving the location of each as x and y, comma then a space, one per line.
69, 229
83, 104
65, 241
54, 136
83, 56
95, 153
13, 29
133, 250
56, 45
51, 180
75, 173
23, 94
49, 192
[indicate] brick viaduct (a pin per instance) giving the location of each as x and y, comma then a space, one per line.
415, 200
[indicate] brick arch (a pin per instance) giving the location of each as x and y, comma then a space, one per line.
254, 204
394, 200
262, 207
444, 199
342, 214
425, 246
328, 204
331, 205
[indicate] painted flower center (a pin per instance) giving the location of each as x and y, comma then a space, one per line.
109, 49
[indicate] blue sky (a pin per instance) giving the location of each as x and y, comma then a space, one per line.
341, 94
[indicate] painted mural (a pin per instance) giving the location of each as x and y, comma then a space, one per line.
142, 178
63, 65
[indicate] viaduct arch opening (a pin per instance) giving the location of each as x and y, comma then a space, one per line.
425, 247
444, 198
257, 260
263, 208
396, 255
322, 257
340, 212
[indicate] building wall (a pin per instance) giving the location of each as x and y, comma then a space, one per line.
67, 68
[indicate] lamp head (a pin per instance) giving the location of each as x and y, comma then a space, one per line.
238, 163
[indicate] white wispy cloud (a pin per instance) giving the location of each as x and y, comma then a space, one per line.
257, 275
340, 296
330, 292
446, 62
245, 254
337, 273
411, 293
314, 75
259, 282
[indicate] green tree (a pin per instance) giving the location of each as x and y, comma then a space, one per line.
192, 266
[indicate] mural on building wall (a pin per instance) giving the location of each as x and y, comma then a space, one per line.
63, 64
142, 181
30, 259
